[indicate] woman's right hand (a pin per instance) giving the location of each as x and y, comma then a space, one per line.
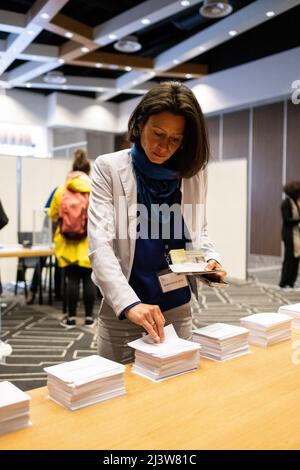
150, 318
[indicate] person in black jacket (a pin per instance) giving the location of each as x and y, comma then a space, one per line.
290, 210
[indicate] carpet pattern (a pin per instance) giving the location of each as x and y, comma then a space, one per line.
38, 341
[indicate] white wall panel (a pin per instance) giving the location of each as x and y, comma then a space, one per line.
227, 214
39, 178
8, 196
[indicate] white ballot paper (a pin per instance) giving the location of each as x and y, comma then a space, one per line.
159, 361
85, 381
171, 346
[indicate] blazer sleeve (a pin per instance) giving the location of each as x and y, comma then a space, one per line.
107, 272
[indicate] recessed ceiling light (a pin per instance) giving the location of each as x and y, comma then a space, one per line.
185, 3
68, 34
84, 49
65, 87
128, 44
188, 75
128, 69
135, 82
215, 9
45, 16
113, 37
30, 32
28, 85
145, 21
55, 77
201, 49
61, 61
98, 65
175, 61
232, 33
113, 67
270, 13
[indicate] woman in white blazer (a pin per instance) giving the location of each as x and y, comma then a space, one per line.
144, 202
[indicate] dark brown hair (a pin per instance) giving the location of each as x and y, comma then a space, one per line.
81, 162
292, 189
175, 98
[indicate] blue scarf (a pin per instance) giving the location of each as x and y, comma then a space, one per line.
155, 183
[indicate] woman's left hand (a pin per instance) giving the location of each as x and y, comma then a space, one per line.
213, 265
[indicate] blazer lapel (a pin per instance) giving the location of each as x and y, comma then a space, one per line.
130, 190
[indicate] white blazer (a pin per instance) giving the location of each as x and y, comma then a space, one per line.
113, 220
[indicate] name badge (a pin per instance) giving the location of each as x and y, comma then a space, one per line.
170, 281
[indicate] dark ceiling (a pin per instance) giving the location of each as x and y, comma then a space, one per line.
275, 35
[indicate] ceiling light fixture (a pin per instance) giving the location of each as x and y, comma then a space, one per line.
84, 49
213, 9
232, 33
128, 44
55, 77
269, 14
185, 3
68, 34
145, 21
98, 65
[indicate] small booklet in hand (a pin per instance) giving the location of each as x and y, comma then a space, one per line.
192, 262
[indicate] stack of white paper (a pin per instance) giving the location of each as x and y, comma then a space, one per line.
86, 381
267, 328
293, 310
159, 361
14, 408
221, 341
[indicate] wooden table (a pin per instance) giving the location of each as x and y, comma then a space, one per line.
14, 251
251, 402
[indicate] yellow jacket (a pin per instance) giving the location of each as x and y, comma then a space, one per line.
70, 251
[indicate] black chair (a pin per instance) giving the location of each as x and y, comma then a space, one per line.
25, 239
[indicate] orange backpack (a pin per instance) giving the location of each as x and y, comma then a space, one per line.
73, 214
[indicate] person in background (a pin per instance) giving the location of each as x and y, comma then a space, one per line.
166, 166
70, 239
290, 211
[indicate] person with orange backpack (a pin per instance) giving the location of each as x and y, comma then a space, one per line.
69, 208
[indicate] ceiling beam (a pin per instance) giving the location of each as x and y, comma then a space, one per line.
241, 21
35, 23
11, 22
28, 71
40, 52
108, 59
131, 21
63, 25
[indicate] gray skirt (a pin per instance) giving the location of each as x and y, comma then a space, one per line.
114, 334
